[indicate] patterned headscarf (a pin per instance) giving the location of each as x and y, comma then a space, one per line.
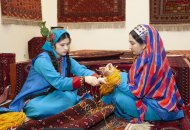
150, 76
48, 46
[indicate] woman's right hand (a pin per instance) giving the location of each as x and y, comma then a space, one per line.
102, 80
92, 80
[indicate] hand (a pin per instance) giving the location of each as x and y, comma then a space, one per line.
91, 80
107, 70
102, 80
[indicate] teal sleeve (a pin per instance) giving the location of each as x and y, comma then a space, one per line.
44, 66
123, 86
80, 70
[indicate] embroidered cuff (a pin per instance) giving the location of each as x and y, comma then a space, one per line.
82, 81
78, 82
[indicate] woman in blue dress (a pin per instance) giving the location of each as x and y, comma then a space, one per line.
49, 89
148, 91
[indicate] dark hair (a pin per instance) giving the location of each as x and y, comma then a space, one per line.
56, 62
136, 37
63, 36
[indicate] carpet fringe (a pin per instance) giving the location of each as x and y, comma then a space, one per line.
92, 25
172, 27
10, 20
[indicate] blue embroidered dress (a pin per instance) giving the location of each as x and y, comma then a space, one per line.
43, 76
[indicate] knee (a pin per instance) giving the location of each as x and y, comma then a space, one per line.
121, 98
125, 101
32, 111
118, 98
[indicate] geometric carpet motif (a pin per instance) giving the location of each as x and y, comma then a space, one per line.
21, 11
91, 10
170, 12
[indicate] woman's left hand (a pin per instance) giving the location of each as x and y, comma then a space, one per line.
107, 70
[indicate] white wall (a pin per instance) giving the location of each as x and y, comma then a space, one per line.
14, 38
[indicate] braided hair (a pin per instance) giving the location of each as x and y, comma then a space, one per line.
55, 62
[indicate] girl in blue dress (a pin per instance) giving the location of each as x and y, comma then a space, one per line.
49, 89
